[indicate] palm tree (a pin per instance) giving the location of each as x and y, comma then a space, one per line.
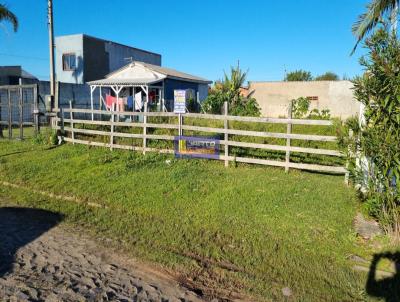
376, 11
233, 82
7, 15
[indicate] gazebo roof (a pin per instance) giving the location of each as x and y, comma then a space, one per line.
124, 82
138, 73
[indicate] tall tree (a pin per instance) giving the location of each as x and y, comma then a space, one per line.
377, 10
298, 75
233, 82
327, 76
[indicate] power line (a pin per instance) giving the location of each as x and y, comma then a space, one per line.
22, 57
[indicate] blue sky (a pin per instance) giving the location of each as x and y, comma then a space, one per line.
200, 37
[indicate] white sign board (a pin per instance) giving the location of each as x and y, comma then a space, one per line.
179, 101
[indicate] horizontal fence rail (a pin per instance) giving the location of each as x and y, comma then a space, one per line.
111, 120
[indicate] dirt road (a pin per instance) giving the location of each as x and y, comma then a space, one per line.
43, 261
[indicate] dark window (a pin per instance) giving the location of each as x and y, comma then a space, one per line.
312, 98
69, 61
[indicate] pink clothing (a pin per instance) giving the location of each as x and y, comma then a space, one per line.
111, 101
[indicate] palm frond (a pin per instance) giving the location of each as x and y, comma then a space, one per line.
370, 19
7, 15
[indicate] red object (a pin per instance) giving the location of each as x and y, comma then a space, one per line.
152, 96
109, 101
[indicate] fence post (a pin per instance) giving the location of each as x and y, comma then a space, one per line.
226, 135
57, 95
182, 121
62, 121
112, 126
347, 175
288, 131
36, 110
144, 128
21, 115
71, 115
179, 125
9, 114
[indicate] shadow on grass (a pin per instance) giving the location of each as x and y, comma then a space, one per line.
27, 151
18, 227
14, 153
385, 287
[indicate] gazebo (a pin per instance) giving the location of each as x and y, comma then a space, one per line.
148, 82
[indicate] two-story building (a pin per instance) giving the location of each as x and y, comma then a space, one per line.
81, 58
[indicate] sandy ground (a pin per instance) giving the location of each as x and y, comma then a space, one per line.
43, 261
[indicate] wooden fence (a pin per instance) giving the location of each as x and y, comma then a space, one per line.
111, 120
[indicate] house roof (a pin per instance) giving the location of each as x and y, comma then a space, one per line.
27, 75
158, 71
127, 82
16, 71
172, 73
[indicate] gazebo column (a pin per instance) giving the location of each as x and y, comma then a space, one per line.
162, 97
145, 88
100, 97
117, 89
92, 88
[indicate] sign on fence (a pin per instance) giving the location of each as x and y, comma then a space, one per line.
196, 147
179, 101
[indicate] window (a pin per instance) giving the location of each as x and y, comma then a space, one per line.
312, 98
69, 61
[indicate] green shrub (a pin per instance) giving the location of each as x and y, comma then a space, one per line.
228, 91
46, 137
379, 139
301, 107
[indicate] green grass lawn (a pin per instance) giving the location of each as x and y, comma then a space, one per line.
247, 229
28, 132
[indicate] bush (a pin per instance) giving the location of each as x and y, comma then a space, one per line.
46, 137
298, 75
246, 107
379, 140
301, 107
214, 102
228, 90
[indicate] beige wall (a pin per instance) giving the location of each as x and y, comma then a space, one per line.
337, 96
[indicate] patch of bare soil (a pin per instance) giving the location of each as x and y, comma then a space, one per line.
43, 261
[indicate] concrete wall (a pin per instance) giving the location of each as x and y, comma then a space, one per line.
337, 96
69, 44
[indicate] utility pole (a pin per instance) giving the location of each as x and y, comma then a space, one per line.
51, 49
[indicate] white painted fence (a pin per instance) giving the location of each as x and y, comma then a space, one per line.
111, 119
